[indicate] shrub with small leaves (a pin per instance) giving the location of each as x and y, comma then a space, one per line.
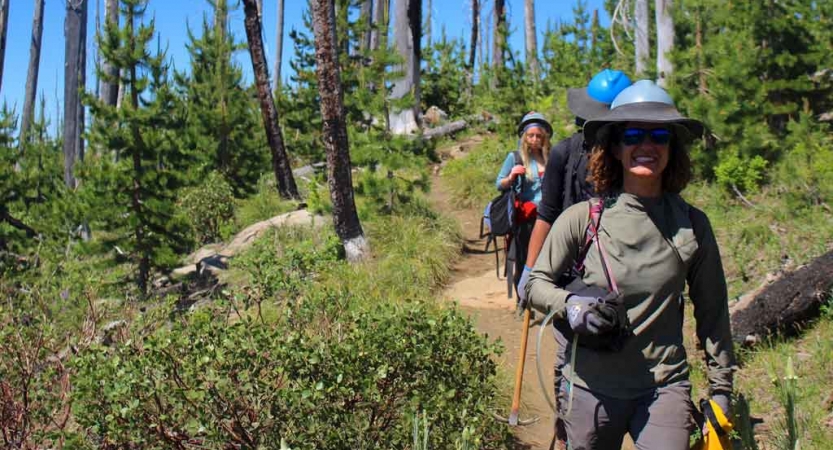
209, 206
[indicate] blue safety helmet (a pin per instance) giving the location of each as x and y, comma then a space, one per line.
594, 100
537, 118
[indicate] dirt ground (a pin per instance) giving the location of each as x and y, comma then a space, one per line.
477, 289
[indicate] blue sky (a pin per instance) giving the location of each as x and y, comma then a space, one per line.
171, 16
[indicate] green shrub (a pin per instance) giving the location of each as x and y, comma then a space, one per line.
209, 207
745, 174
253, 385
471, 180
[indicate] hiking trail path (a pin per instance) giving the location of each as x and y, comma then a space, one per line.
478, 291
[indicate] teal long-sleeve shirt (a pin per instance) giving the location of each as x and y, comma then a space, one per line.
653, 253
531, 191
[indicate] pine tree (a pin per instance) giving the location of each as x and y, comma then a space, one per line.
134, 196
445, 68
221, 110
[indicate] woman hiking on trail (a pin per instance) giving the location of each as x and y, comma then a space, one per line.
634, 250
523, 170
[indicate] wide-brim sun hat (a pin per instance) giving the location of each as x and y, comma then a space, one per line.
534, 118
643, 101
594, 100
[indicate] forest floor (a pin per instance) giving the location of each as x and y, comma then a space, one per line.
476, 288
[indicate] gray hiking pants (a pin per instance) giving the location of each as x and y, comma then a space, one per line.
659, 420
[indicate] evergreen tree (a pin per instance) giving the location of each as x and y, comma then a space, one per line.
445, 68
134, 196
221, 110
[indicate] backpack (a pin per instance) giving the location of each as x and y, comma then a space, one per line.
576, 188
499, 220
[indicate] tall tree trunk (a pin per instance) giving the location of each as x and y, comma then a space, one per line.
475, 28
109, 90
4, 27
407, 33
499, 40
75, 26
428, 7
665, 41
32, 74
380, 25
366, 16
339, 178
531, 38
280, 161
642, 45
279, 46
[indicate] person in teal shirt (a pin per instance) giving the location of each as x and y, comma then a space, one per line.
526, 177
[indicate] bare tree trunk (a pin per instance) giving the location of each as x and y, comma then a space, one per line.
366, 16
4, 27
665, 41
428, 7
109, 90
278, 46
280, 161
75, 26
32, 74
380, 11
642, 44
339, 177
499, 33
407, 33
475, 38
531, 38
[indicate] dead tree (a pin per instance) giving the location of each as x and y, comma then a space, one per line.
665, 41
786, 304
531, 38
366, 17
339, 177
280, 161
32, 74
109, 83
380, 22
499, 39
4, 27
475, 28
75, 31
407, 33
642, 46
278, 46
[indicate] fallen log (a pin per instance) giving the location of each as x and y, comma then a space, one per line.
443, 130
784, 306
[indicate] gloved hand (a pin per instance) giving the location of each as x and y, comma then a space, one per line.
522, 287
516, 171
586, 318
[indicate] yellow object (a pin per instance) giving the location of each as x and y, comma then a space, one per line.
716, 435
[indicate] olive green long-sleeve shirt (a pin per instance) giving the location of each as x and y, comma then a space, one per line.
653, 253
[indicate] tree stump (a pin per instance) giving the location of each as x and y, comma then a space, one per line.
786, 304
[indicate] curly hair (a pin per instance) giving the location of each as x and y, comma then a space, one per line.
605, 171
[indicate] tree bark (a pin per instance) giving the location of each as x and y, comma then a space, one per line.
531, 38
32, 74
4, 27
380, 25
407, 33
75, 31
499, 40
109, 83
278, 46
428, 7
280, 161
642, 44
665, 41
339, 177
475, 28
784, 305
366, 16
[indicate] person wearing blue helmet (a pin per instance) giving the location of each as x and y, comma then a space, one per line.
566, 183
632, 252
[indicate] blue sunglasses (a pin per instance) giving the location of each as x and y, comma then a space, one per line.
634, 136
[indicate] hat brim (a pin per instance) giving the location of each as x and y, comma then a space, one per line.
539, 122
582, 105
596, 130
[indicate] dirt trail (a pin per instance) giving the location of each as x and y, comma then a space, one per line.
475, 286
